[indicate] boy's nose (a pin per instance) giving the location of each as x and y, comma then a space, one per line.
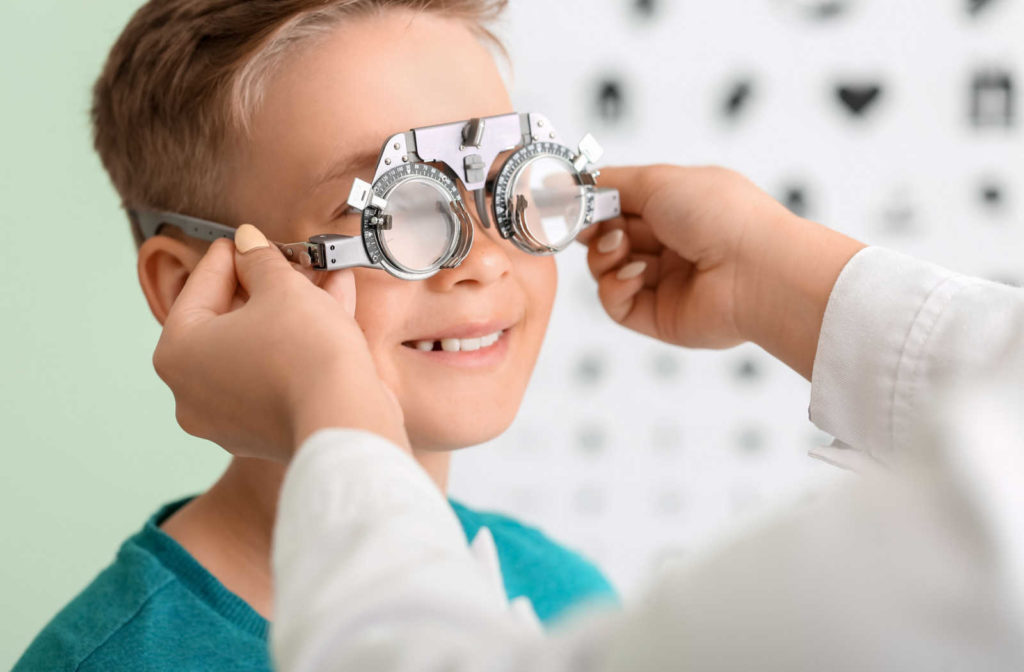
487, 262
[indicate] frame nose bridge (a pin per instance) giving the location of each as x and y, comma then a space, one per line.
480, 211
480, 198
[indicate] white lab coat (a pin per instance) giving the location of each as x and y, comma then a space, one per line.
920, 571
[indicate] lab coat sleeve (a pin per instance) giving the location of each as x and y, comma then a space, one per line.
895, 330
372, 572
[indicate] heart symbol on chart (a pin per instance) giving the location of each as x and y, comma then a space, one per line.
975, 7
858, 99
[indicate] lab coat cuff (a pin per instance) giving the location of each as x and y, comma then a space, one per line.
869, 329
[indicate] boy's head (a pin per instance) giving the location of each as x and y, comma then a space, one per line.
264, 111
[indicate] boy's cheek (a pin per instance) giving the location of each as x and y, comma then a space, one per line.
539, 278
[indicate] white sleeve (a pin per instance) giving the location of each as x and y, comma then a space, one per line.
897, 329
371, 573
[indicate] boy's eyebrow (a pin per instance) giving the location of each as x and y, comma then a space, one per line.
368, 158
347, 166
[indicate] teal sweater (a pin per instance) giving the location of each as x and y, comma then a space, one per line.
156, 609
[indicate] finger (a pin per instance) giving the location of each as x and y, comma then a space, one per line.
652, 273
210, 287
586, 235
259, 264
341, 285
617, 289
641, 236
602, 228
607, 252
635, 185
632, 309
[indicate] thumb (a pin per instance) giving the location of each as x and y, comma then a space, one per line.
635, 185
209, 288
341, 285
259, 264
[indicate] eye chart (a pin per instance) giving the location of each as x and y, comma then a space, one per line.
894, 121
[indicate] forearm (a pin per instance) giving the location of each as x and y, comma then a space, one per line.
788, 270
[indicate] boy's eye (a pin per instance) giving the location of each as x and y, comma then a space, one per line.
346, 223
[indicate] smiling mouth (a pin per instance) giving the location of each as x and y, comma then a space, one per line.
457, 344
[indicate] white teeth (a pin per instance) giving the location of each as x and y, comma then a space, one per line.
459, 344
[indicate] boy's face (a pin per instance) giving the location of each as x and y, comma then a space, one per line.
327, 112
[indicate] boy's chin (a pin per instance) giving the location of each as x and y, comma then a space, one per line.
455, 434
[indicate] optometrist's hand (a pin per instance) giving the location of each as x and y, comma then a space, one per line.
259, 379
702, 258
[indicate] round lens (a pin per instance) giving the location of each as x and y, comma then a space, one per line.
554, 200
422, 225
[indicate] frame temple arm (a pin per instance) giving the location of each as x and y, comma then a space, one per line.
324, 252
607, 204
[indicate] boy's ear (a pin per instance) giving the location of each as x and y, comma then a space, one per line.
164, 265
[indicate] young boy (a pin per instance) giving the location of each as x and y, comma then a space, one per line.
265, 111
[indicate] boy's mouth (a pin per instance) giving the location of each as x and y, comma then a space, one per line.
452, 344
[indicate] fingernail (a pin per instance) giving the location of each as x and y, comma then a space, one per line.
630, 271
610, 241
249, 238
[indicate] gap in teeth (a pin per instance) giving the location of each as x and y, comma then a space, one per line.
458, 344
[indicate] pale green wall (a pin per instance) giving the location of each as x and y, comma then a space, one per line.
90, 445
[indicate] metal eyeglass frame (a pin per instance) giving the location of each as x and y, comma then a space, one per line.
466, 150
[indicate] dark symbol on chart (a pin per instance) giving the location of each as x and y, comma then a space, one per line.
993, 99
751, 440
591, 440
737, 99
645, 8
748, 371
898, 214
795, 198
589, 370
992, 195
817, 10
976, 7
611, 102
665, 366
859, 99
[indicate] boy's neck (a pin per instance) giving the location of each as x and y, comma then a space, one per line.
229, 528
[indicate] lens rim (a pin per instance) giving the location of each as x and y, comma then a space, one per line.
506, 181
385, 185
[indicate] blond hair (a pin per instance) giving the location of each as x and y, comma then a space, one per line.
185, 77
